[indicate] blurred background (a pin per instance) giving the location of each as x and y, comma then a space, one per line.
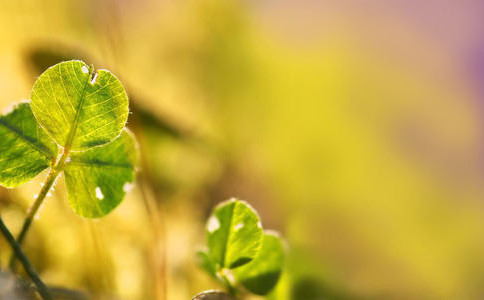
354, 127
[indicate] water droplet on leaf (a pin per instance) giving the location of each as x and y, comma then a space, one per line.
213, 224
99, 193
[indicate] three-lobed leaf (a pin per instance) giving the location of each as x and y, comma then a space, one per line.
261, 275
97, 179
25, 148
234, 234
77, 108
239, 251
84, 113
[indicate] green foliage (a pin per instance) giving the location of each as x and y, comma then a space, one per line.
81, 112
98, 178
239, 251
77, 108
260, 276
234, 234
25, 148
206, 264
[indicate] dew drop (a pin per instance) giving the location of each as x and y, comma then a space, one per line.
238, 226
8, 110
99, 193
85, 69
128, 186
55, 182
213, 224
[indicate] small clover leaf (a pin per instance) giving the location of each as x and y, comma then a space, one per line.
261, 275
98, 178
240, 252
234, 234
25, 148
84, 114
205, 263
77, 108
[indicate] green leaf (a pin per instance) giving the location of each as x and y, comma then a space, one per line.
234, 234
260, 276
98, 178
77, 108
205, 263
25, 148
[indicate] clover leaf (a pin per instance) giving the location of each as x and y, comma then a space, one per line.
239, 252
83, 114
234, 234
79, 109
98, 178
261, 275
25, 148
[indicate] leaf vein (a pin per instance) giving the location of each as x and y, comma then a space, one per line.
39, 147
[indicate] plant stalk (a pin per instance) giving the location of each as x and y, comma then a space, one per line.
54, 173
42, 289
231, 288
49, 182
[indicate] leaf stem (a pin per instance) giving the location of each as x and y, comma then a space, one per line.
53, 174
226, 280
49, 182
42, 289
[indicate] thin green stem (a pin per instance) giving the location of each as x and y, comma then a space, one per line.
49, 182
42, 289
231, 288
54, 173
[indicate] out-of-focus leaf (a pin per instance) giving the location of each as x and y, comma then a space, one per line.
234, 234
261, 275
25, 148
206, 264
97, 179
40, 58
213, 295
77, 108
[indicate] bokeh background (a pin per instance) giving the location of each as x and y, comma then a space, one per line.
354, 127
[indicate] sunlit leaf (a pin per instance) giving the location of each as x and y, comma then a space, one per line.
78, 108
260, 276
25, 148
97, 179
234, 234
